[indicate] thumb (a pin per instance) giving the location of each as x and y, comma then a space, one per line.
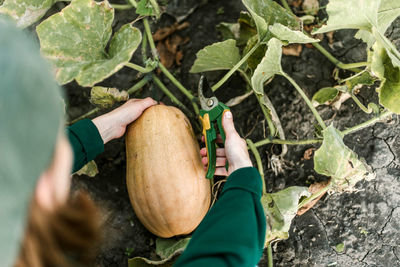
148, 102
227, 123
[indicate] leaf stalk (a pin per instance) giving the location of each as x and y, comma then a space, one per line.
253, 149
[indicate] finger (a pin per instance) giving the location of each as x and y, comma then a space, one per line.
204, 160
221, 171
219, 151
148, 102
221, 161
219, 139
203, 139
227, 124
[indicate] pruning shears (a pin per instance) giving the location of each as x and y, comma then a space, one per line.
211, 113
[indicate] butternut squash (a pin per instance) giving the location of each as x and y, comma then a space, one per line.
165, 177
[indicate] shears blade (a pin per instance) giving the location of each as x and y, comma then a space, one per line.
207, 98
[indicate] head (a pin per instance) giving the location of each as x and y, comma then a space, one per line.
36, 208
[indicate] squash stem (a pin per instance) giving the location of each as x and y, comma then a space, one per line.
130, 91
267, 115
367, 123
185, 91
287, 142
235, 68
121, 7
270, 258
150, 38
306, 99
144, 48
170, 95
361, 105
259, 163
351, 66
139, 68
132, 2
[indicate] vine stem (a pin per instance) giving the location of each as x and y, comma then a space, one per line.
287, 142
360, 105
133, 3
307, 100
235, 68
314, 196
367, 123
121, 7
259, 163
150, 38
182, 88
351, 66
130, 91
139, 68
270, 258
167, 92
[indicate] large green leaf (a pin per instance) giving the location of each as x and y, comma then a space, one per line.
218, 56
166, 249
389, 10
389, 90
268, 12
280, 208
336, 160
26, 12
289, 36
75, 41
354, 14
270, 66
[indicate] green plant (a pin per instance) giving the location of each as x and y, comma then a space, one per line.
253, 48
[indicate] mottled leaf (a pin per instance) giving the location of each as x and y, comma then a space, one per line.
336, 160
364, 79
144, 8
389, 90
26, 12
268, 12
218, 56
391, 50
269, 66
258, 54
74, 41
280, 208
90, 169
103, 97
241, 31
166, 249
389, 10
355, 14
323, 95
289, 36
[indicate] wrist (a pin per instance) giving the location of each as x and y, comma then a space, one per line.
105, 127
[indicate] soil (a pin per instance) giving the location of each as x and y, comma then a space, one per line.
366, 221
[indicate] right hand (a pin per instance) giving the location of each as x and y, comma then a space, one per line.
235, 150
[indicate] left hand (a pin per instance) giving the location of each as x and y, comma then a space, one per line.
113, 124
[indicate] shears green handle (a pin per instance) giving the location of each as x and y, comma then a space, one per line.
208, 120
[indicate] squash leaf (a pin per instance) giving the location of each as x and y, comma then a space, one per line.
90, 169
218, 56
258, 54
323, 95
268, 12
166, 249
144, 8
26, 12
241, 31
336, 160
103, 97
74, 41
270, 66
280, 208
289, 36
389, 90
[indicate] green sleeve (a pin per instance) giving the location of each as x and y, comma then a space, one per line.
86, 142
233, 231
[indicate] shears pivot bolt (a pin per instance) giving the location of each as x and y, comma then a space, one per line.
210, 102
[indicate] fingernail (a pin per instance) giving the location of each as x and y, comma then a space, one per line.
228, 115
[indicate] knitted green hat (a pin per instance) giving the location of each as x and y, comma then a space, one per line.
31, 111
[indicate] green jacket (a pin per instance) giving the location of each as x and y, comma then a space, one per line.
233, 231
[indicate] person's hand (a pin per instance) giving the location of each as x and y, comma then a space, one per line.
235, 150
113, 124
